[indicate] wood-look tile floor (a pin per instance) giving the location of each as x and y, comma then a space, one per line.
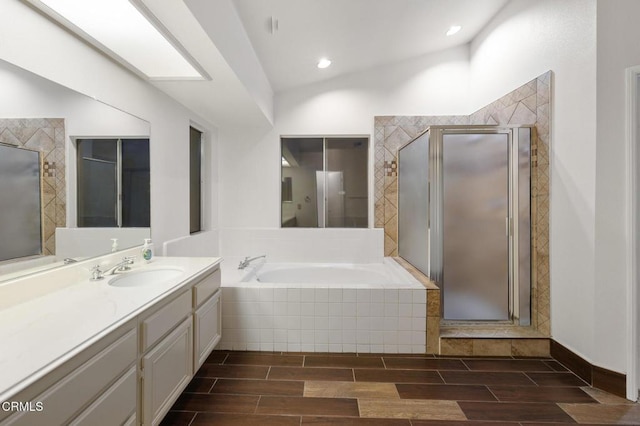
260, 388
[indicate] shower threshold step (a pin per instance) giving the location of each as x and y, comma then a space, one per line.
493, 331
492, 340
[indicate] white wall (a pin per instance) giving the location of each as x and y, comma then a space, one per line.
587, 204
251, 158
45, 49
250, 173
618, 49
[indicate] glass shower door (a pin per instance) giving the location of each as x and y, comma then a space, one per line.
20, 227
413, 203
475, 237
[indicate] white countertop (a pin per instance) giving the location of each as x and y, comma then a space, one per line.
40, 334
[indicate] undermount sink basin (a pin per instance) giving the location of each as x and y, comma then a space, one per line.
148, 277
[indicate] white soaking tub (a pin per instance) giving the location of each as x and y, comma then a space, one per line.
372, 275
322, 307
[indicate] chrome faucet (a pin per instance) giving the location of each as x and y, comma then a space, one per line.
243, 264
97, 274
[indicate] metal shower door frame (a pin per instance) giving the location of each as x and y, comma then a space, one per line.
518, 145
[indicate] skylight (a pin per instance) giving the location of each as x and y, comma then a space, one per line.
119, 29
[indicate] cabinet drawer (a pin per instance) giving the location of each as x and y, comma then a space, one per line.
208, 328
205, 288
63, 400
115, 405
158, 324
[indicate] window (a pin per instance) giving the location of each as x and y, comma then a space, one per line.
113, 183
195, 180
324, 182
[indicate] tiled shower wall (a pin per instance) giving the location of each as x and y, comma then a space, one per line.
45, 135
527, 105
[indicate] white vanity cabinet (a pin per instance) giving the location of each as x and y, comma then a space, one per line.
137, 366
101, 379
167, 357
207, 317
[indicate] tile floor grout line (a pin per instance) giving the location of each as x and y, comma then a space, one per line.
465, 364
214, 383
268, 373
255, 410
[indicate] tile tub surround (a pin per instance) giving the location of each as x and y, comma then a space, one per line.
244, 388
528, 104
267, 317
46, 135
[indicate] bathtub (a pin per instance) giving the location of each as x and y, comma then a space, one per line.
328, 307
345, 275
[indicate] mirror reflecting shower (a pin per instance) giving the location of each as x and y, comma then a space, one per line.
464, 218
19, 203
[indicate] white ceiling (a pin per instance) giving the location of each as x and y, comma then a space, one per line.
354, 34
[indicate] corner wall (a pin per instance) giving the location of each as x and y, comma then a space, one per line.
524, 40
618, 49
250, 171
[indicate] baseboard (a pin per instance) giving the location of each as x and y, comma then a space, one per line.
598, 377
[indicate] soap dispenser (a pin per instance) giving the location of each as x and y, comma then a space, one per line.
114, 245
147, 250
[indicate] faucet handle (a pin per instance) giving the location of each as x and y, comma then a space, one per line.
130, 260
96, 273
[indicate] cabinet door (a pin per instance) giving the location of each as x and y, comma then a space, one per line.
208, 328
166, 371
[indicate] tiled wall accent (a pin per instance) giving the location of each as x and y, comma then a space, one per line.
46, 135
391, 132
528, 104
324, 319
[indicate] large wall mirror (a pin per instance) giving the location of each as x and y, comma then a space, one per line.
54, 204
324, 182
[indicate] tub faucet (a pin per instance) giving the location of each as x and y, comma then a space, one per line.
243, 264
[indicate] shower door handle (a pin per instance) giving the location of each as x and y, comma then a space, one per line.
507, 221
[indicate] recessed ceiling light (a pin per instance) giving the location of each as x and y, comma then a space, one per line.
122, 31
324, 63
453, 29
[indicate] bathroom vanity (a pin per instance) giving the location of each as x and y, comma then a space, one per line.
119, 350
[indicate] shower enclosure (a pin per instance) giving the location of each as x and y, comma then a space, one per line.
21, 225
464, 218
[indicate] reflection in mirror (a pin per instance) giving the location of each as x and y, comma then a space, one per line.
324, 182
65, 114
287, 188
113, 182
19, 203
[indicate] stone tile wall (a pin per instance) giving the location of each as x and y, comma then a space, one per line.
46, 135
528, 104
